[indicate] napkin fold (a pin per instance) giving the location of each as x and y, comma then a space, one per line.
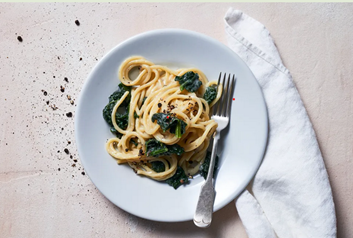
290, 195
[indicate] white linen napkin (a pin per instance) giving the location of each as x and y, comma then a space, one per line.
290, 195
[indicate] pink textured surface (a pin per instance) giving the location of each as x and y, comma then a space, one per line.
38, 200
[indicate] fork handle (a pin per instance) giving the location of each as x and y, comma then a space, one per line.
204, 208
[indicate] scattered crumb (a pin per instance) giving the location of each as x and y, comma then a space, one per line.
54, 107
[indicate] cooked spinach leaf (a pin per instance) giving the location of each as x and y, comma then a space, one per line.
122, 120
174, 149
107, 112
115, 132
206, 165
143, 101
120, 92
210, 94
122, 114
135, 115
156, 148
178, 178
158, 166
189, 81
166, 121
134, 142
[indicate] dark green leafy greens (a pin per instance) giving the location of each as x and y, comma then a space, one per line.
134, 142
175, 149
189, 81
122, 114
156, 148
158, 166
166, 121
143, 101
120, 92
210, 94
122, 120
206, 165
178, 178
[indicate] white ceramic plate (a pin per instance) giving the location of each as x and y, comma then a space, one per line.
241, 148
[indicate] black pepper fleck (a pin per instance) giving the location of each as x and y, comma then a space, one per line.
66, 80
66, 151
69, 114
141, 152
77, 22
19, 38
159, 104
83, 173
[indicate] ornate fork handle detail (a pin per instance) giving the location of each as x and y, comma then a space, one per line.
204, 208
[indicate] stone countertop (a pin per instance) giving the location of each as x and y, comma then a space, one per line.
45, 58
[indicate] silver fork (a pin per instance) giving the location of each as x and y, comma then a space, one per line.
221, 113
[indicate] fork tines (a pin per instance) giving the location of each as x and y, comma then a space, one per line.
223, 106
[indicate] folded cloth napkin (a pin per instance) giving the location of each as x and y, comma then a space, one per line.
290, 195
